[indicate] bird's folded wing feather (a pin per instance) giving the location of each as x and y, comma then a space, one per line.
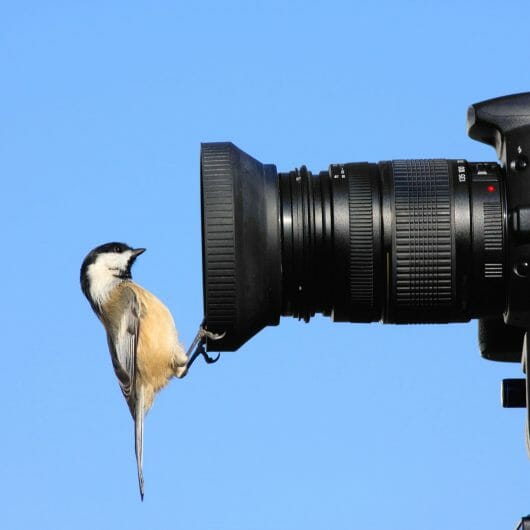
122, 337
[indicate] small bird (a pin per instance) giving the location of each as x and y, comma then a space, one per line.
141, 334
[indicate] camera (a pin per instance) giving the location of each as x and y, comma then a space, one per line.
401, 241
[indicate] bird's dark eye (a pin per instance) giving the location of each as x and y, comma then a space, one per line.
117, 249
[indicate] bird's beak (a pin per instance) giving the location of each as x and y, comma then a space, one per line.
137, 251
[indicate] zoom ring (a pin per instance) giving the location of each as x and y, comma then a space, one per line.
423, 240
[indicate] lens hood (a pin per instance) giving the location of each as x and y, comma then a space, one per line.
241, 247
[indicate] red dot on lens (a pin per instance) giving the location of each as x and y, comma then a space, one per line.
491, 188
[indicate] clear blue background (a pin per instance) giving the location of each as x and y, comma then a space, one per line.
320, 426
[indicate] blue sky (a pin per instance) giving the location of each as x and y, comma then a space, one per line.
317, 426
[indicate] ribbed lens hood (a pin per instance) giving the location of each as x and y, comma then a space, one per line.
241, 246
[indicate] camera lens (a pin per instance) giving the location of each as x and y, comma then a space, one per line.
403, 241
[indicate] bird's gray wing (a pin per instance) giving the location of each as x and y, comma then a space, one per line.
122, 337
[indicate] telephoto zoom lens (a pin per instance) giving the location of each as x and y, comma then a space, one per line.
402, 241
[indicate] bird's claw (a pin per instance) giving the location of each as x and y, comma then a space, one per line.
211, 335
208, 359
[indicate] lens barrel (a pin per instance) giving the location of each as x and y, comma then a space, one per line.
331, 243
403, 241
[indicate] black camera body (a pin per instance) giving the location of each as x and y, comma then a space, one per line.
504, 123
402, 241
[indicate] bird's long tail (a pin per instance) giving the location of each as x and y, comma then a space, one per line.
139, 413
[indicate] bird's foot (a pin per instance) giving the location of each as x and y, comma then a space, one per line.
199, 350
198, 347
208, 359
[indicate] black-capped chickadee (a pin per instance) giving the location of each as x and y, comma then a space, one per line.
141, 334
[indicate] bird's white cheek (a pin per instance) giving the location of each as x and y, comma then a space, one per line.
102, 282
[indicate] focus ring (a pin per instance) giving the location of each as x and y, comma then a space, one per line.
423, 240
356, 242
